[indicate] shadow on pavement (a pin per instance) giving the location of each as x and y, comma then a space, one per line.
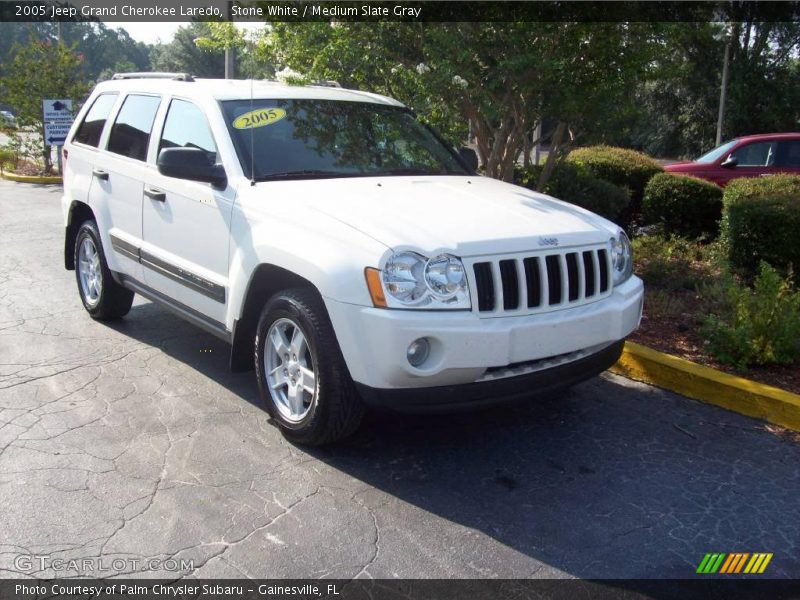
612, 479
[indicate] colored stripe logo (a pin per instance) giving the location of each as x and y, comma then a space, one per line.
734, 562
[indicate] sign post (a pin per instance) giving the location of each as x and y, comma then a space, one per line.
57, 113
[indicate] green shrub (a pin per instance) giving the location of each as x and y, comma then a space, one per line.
683, 205
674, 263
762, 325
7, 157
622, 167
761, 222
576, 186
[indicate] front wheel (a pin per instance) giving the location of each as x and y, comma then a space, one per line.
302, 376
102, 297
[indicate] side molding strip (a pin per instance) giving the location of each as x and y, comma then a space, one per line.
124, 248
194, 282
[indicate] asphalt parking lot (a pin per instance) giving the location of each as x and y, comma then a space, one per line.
133, 441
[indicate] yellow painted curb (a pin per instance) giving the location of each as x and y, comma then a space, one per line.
31, 178
709, 385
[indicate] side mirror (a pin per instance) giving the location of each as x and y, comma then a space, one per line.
193, 164
469, 157
729, 162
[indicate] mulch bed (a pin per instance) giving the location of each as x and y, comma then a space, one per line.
30, 169
684, 340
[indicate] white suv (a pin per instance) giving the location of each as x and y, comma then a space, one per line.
340, 246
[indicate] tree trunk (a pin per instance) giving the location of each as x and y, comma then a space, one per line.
498, 147
46, 159
526, 150
552, 156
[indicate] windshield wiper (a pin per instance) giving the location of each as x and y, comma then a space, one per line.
303, 174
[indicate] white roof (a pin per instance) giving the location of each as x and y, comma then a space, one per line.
236, 89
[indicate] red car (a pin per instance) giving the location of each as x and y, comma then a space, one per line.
749, 156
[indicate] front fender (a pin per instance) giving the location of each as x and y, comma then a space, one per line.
327, 253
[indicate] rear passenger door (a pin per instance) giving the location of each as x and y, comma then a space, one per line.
82, 157
187, 223
118, 181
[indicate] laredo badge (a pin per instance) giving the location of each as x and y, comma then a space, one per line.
259, 118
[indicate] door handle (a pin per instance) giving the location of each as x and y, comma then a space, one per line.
155, 194
100, 174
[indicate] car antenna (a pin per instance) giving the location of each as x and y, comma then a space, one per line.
252, 142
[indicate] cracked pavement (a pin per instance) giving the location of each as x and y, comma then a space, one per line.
132, 440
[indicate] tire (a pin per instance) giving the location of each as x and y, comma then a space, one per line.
308, 393
102, 297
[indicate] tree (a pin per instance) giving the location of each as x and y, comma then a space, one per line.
250, 60
501, 77
41, 70
677, 103
183, 54
765, 78
101, 48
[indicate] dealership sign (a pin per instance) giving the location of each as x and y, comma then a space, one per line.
57, 117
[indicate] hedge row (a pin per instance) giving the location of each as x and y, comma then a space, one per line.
575, 185
624, 168
759, 218
683, 206
761, 222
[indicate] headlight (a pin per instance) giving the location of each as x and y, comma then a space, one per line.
411, 280
621, 257
445, 276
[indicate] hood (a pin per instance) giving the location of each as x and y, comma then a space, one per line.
467, 216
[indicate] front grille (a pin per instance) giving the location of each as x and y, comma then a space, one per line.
526, 284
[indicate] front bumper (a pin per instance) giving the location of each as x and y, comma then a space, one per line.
464, 346
486, 393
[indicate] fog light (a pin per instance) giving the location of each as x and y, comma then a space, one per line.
418, 352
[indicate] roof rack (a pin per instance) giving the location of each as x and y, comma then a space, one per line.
155, 75
326, 83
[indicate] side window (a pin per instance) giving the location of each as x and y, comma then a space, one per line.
91, 128
788, 154
757, 154
130, 134
186, 127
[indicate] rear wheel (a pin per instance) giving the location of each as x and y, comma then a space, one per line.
302, 376
102, 297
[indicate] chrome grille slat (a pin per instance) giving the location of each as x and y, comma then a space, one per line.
562, 263
508, 285
498, 287
545, 282
523, 285
581, 276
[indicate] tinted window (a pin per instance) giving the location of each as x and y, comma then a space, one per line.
757, 154
716, 153
323, 138
130, 134
92, 127
186, 127
788, 154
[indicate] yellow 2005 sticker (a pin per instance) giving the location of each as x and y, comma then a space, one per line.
259, 118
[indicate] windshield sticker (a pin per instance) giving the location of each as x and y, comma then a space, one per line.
259, 118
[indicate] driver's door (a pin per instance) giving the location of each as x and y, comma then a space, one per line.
186, 224
752, 160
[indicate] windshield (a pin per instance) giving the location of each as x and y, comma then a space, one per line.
305, 139
710, 157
